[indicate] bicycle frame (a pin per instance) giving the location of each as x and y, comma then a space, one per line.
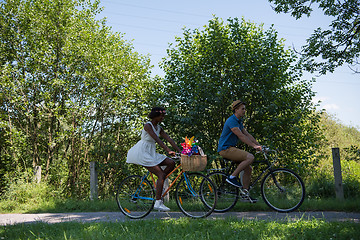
182, 173
268, 168
137, 193
195, 194
267, 161
281, 188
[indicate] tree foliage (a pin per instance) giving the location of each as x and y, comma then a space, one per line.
206, 70
337, 45
71, 90
337, 135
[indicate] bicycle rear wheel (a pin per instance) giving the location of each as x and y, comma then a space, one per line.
192, 192
135, 196
283, 190
227, 194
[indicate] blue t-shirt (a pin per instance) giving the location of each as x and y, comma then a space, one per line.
228, 138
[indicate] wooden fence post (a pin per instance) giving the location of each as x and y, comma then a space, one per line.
166, 186
93, 181
339, 191
37, 174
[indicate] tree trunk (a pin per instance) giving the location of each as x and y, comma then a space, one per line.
50, 149
37, 174
34, 138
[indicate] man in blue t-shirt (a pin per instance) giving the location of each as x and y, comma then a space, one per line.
234, 131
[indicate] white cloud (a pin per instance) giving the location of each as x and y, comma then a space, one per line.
321, 99
325, 103
331, 106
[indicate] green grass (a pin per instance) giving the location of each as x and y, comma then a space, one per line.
329, 204
185, 228
56, 206
72, 205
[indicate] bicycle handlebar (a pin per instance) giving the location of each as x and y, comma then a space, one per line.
265, 149
177, 156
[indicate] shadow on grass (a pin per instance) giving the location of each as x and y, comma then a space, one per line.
60, 206
109, 205
228, 228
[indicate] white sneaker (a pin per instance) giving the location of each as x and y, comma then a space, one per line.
160, 206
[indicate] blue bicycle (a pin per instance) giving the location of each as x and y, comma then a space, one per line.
195, 194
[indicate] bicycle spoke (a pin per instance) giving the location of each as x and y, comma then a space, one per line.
135, 197
192, 192
283, 190
228, 194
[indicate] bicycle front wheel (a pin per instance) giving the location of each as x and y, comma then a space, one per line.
283, 190
135, 196
192, 192
227, 194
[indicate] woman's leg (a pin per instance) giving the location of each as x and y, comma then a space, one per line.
170, 165
161, 174
160, 182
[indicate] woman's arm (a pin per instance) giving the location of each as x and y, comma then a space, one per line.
164, 135
148, 128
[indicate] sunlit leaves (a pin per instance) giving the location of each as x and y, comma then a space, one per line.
74, 89
209, 68
327, 49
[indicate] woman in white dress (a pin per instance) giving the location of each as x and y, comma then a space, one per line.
144, 152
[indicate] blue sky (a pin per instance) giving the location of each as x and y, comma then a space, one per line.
152, 25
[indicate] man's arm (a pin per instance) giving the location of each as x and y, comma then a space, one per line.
246, 137
249, 136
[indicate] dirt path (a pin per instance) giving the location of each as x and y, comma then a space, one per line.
9, 219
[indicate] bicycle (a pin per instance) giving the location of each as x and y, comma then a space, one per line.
195, 194
281, 189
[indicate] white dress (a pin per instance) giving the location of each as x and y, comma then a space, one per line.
144, 152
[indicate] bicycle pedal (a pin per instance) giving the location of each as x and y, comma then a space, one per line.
248, 199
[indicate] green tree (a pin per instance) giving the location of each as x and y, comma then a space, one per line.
338, 45
337, 135
71, 92
208, 69
346, 138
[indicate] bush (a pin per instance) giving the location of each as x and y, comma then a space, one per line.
24, 195
322, 184
351, 178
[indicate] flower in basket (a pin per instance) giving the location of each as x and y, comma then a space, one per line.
192, 158
186, 149
195, 150
190, 146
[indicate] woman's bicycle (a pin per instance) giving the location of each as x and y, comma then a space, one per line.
195, 194
281, 189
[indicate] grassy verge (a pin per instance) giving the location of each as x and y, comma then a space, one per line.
347, 205
71, 205
185, 228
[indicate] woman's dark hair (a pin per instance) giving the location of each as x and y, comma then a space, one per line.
156, 111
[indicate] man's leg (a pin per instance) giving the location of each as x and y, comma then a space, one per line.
246, 166
244, 159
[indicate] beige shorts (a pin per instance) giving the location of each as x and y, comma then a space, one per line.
234, 154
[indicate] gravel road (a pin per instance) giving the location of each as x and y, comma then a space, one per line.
10, 219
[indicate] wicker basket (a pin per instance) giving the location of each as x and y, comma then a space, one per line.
193, 163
